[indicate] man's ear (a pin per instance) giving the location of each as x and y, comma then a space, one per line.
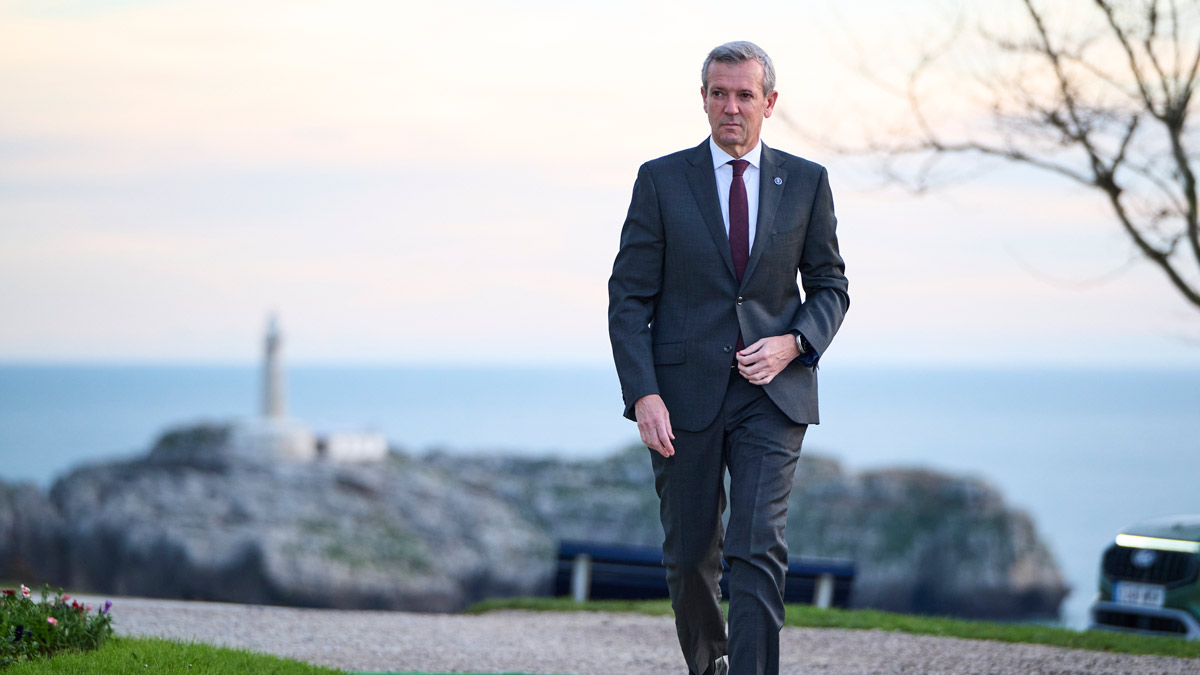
703, 98
771, 98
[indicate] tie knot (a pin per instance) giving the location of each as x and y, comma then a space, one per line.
739, 166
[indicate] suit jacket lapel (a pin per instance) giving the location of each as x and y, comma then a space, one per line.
703, 181
769, 193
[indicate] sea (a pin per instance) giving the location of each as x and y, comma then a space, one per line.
1084, 451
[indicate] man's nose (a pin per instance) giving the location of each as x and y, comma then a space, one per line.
731, 106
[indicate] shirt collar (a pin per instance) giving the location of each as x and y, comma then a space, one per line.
721, 157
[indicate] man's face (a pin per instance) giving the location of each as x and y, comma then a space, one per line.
735, 104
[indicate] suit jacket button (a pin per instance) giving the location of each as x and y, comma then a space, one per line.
739, 300
727, 349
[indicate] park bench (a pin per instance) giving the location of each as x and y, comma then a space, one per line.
591, 570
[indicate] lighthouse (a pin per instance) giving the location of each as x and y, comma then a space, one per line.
274, 405
273, 437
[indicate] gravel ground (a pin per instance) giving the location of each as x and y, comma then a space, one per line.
581, 643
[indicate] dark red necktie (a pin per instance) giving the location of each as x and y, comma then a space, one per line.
739, 225
739, 218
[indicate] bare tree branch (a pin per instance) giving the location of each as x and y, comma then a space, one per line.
1060, 103
1134, 68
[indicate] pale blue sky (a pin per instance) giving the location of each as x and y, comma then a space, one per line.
445, 183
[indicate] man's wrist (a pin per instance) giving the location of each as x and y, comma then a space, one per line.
645, 400
806, 355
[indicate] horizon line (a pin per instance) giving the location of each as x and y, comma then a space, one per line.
881, 365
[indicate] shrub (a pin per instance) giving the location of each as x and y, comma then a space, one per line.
32, 630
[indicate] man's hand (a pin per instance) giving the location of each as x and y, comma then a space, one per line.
654, 424
760, 362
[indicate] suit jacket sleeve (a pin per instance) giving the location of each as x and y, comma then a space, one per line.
633, 292
822, 274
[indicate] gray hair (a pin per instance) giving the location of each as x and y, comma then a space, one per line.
734, 53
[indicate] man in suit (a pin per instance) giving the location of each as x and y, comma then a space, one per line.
716, 350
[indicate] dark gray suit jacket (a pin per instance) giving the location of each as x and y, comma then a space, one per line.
675, 305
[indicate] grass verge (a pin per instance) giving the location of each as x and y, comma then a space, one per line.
121, 655
807, 616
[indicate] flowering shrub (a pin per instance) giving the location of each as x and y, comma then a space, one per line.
31, 630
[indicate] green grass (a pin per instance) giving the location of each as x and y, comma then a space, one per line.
150, 655
807, 616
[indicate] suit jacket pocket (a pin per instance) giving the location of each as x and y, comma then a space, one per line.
666, 353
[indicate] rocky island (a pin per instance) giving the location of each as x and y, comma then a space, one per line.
265, 511
436, 532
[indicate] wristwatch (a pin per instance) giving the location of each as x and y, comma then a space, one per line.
801, 343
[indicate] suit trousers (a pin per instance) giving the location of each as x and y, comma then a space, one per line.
759, 446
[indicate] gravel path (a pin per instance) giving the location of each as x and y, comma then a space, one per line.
581, 643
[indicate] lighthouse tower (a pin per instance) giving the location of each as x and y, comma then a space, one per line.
273, 436
274, 406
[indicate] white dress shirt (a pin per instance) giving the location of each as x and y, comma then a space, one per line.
724, 173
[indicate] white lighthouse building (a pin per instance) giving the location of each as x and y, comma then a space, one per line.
274, 437
273, 391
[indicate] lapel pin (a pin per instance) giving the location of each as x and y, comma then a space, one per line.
778, 180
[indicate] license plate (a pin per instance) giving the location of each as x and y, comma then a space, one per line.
1141, 595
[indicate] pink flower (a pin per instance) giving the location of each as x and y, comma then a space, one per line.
89, 608
24, 590
52, 621
66, 597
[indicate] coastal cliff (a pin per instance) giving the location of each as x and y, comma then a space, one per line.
437, 532
190, 522
923, 542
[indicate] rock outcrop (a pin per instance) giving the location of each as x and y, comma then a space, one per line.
923, 542
438, 532
28, 525
393, 534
